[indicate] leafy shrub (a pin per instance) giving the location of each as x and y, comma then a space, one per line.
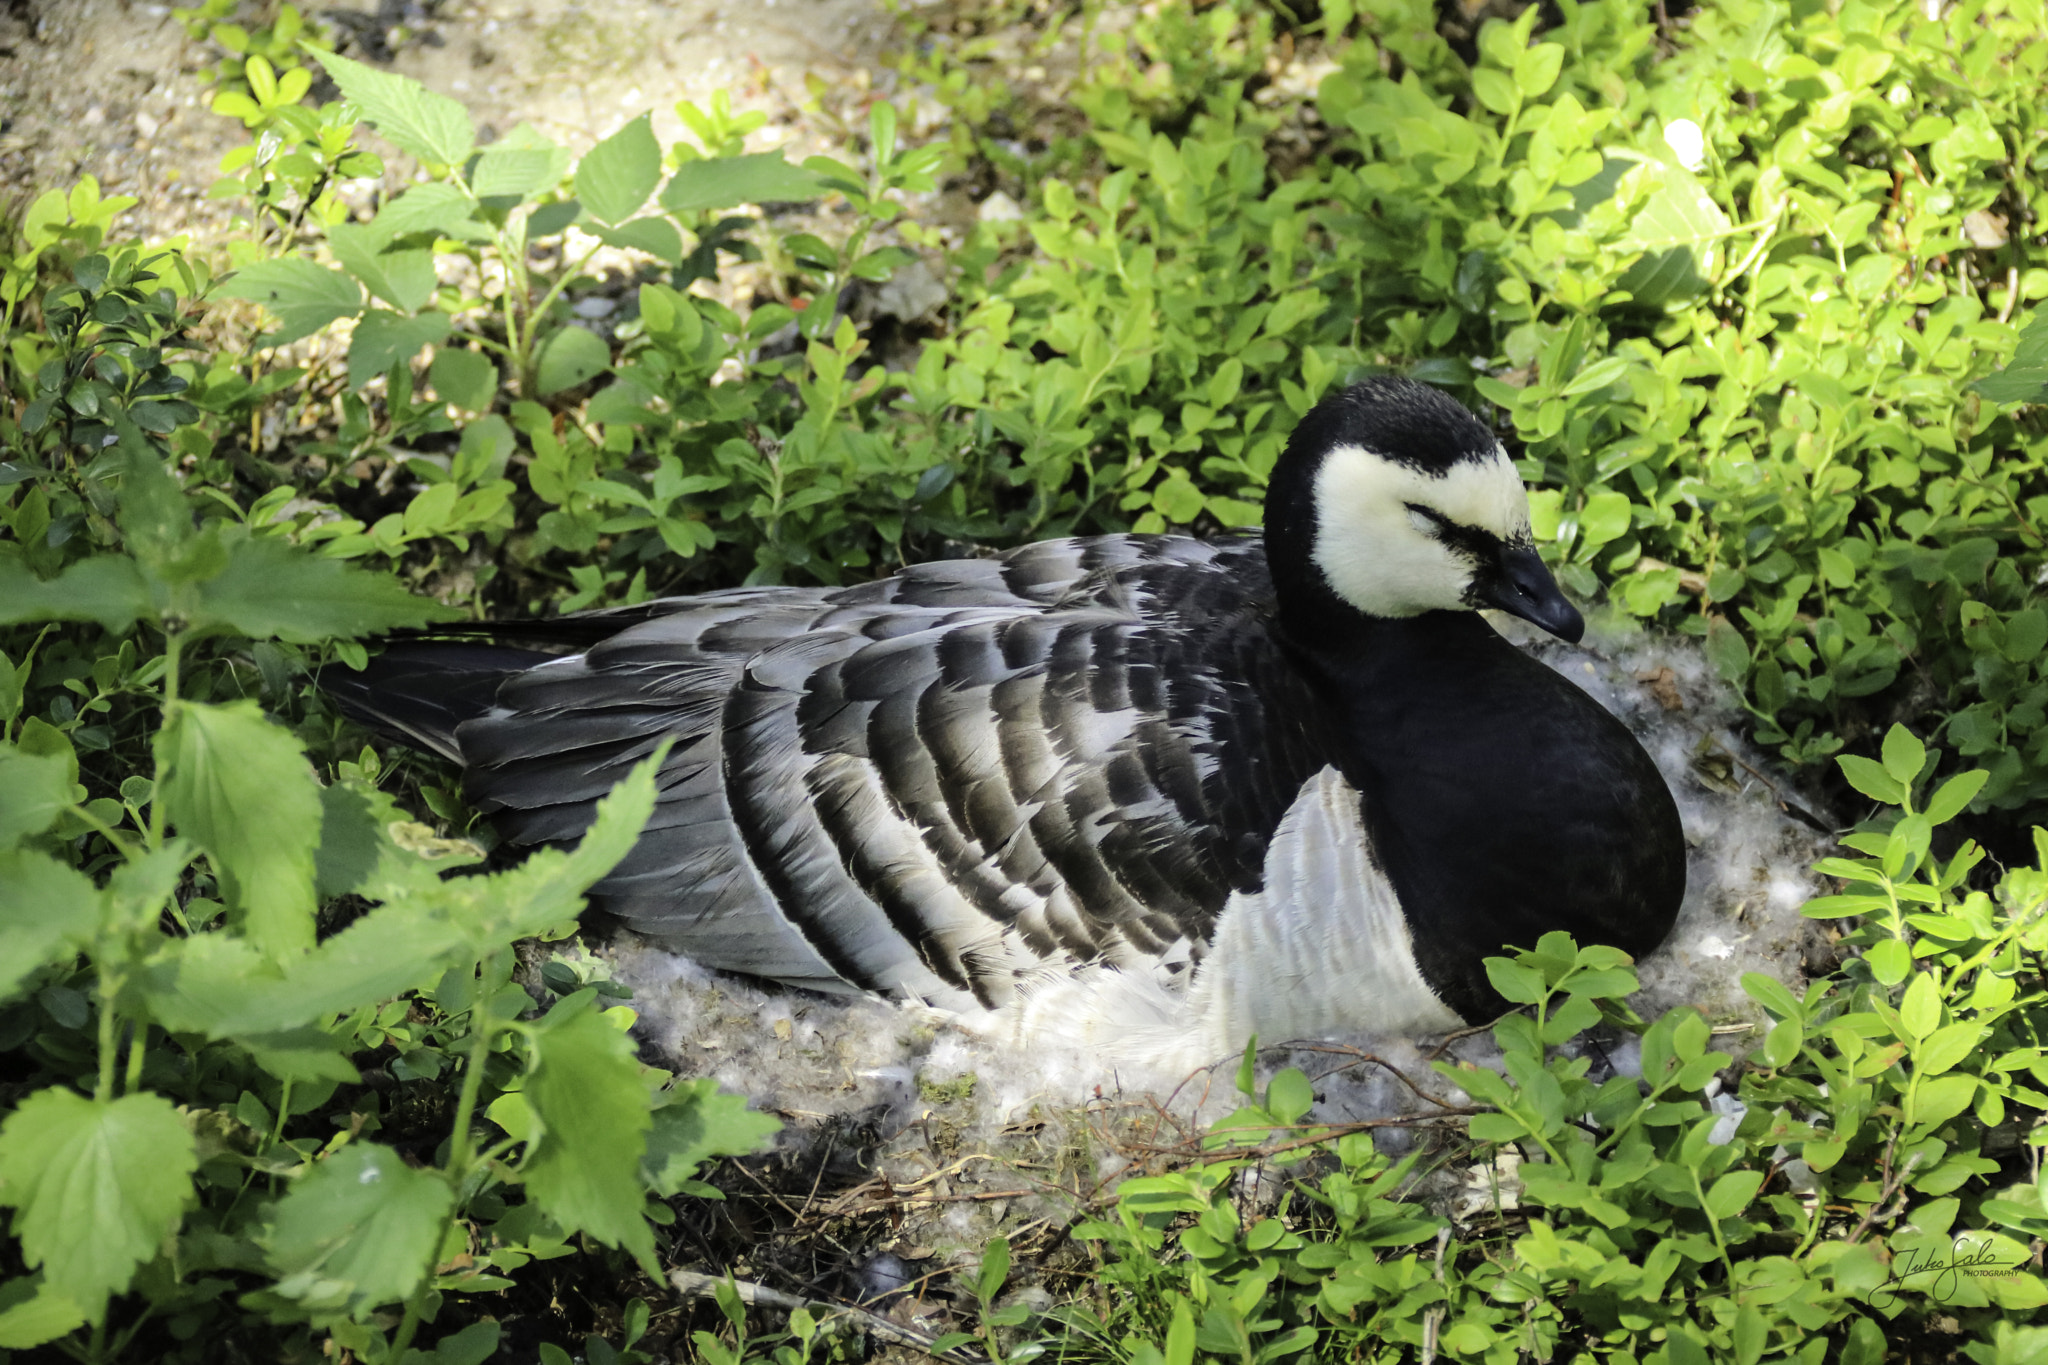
180, 1028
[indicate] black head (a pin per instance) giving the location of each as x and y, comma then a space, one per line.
1392, 500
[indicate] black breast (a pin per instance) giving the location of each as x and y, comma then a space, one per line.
1503, 801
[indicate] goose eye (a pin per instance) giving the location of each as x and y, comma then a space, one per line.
1422, 521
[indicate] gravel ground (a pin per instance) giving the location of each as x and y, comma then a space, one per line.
115, 89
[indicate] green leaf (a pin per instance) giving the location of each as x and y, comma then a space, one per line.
515, 172
700, 1122
34, 790
96, 1187
32, 1314
107, 589
274, 590
1955, 795
615, 177
1537, 68
1288, 1096
404, 278
357, 1231
239, 787
432, 127
1904, 755
1727, 650
1940, 1099
726, 182
468, 379
585, 1089
572, 356
1517, 984
303, 296
1873, 780
1731, 1194
657, 237
1920, 1007
437, 207
45, 906
383, 339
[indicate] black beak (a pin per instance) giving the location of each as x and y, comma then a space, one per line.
1525, 588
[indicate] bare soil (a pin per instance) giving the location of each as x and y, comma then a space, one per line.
115, 89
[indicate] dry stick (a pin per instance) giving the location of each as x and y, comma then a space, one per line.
692, 1285
1358, 1058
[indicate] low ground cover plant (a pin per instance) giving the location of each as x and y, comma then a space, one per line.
1748, 293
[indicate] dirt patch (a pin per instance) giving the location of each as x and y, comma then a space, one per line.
117, 90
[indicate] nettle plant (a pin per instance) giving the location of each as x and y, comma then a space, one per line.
204, 947
1856, 1185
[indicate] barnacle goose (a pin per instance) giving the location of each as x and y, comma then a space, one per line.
1150, 792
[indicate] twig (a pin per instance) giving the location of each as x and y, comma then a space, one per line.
692, 1285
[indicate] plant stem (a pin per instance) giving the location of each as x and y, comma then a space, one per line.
174, 642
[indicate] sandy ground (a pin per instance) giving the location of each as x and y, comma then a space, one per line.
115, 88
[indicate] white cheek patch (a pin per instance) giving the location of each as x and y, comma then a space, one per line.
1387, 560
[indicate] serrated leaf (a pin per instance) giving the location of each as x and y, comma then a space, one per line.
239, 786
32, 1314
515, 172
46, 907
437, 207
34, 790
727, 182
585, 1089
658, 237
383, 339
572, 356
108, 589
404, 278
700, 1122
468, 379
304, 297
615, 177
96, 1187
432, 127
273, 590
357, 1231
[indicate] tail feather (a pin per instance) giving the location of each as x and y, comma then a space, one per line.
417, 691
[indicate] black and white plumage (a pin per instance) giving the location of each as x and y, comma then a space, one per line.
1158, 791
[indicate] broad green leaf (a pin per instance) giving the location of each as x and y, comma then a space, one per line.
657, 237
727, 182
437, 207
1772, 995
238, 786
1727, 650
1605, 517
303, 296
1537, 68
1940, 1099
1904, 755
615, 177
1920, 1007
1955, 795
699, 1122
107, 589
1288, 1096
357, 1231
45, 906
585, 1089
273, 590
96, 1187
432, 127
572, 356
1947, 1046
1517, 984
404, 278
32, 1313
384, 339
34, 790
515, 172
468, 379
1872, 779
1731, 1194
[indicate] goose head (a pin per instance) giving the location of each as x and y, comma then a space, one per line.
1390, 501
